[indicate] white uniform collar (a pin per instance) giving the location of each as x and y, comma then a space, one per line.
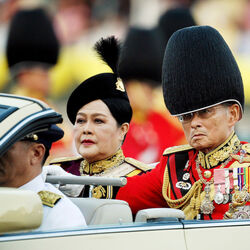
37, 184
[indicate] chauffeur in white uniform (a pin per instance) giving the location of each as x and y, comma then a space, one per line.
21, 167
54, 215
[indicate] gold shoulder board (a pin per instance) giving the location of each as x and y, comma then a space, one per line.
65, 159
246, 147
48, 198
176, 149
138, 164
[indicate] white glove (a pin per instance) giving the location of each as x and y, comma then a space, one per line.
71, 190
53, 170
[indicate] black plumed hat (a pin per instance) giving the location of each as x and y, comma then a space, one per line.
199, 71
31, 39
141, 57
107, 87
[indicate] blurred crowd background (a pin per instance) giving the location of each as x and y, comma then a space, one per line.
78, 24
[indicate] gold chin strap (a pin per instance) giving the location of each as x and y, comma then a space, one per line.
98, 167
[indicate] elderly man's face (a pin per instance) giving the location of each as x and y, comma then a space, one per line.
209, 128
15, 165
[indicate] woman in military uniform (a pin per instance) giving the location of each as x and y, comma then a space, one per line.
100, 111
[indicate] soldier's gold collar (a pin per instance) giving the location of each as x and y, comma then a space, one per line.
102, 165
221, 153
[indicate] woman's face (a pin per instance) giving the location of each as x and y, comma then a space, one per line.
96, 132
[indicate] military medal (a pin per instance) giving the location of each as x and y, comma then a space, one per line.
207, 174
219, 184
240, 196
183, 185
247, 176
242, 213
227, 187
226, 198
186, 176
240, 178
237, 209
207, 205
218, 198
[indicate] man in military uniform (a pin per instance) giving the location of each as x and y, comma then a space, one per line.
21, 164
202, 86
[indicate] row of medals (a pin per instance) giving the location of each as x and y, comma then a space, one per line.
238, 196
207, 206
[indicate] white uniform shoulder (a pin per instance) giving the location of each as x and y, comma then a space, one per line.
59, 212
64, 214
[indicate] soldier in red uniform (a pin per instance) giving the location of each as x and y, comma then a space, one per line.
202, 86
150, 131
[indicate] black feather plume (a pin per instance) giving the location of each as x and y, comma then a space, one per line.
109, 51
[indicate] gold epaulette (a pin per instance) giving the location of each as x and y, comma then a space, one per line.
65, 159
138, 164
49, 198
246, 147
243, 158
176, 149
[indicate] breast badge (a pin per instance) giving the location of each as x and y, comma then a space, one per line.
183, 185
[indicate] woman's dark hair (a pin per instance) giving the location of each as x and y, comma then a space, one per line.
120, 109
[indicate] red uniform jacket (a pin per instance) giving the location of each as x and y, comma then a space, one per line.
152, 189
146, 141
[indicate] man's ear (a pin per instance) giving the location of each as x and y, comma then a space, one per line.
235, 114
37, 152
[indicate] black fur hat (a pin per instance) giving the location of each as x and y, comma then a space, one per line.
31, 39
141, 57
199, 71
173, 20
105, 86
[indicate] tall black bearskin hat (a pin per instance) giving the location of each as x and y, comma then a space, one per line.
141, 57
31, 39
199, 71
173, 20
107, 87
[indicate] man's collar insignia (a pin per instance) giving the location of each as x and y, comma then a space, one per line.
221, 153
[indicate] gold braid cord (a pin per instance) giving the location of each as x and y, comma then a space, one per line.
191, 210
190, 203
